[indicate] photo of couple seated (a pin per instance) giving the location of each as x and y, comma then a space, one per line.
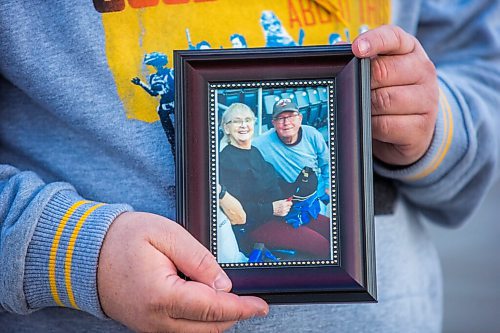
274, 180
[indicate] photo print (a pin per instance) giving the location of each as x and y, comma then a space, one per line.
274, 173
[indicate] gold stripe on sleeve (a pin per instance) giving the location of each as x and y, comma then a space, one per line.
54, 247
69, 253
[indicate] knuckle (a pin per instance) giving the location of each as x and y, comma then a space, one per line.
206, 262
168, 241
422, 123
391, 36
375, 109
404, 40
382, 126
416, 43
427, 124
158, 304
381, 99
430, 69
212, 313
431, 101
397, 30
435, 101
380, 70
381, 40
426, 65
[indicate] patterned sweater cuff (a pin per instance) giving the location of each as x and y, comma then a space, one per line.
62, 258
449, 145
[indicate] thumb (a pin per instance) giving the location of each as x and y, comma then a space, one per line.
191, 257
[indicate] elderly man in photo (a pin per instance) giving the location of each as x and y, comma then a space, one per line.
291, 146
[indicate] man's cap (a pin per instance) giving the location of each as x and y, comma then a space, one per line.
283, 105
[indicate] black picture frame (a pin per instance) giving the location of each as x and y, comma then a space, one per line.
348, 275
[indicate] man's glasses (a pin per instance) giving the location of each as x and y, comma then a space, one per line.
239, 121
281, 120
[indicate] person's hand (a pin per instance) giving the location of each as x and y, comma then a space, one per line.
281, 207
139, 286
136, 81
404, 93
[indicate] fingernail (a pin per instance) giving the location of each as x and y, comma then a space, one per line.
262, 313
222, 282
363, 46
262, 308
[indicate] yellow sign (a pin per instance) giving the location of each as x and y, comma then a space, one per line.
135, 28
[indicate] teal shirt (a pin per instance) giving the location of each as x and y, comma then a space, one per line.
288, 160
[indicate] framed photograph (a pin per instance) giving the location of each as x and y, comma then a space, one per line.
274, 169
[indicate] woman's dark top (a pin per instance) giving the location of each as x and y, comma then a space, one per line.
253, 181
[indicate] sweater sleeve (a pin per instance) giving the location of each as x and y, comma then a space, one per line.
50, 240
463, 41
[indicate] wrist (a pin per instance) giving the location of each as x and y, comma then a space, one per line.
222, 192
61, 260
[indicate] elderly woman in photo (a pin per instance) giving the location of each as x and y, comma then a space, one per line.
262, 192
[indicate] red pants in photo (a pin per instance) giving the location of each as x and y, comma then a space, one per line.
312, 238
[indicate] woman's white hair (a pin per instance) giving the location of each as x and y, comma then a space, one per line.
228, 116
